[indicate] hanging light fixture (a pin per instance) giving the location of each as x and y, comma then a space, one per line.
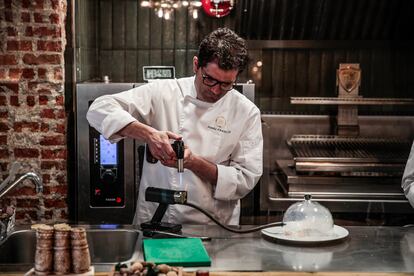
165, 8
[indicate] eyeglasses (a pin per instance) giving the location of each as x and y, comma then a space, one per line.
210, 82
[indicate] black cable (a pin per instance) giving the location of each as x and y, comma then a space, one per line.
254, 229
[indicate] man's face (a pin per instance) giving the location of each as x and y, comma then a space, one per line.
211, 82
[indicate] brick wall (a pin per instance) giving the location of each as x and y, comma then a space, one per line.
32, 111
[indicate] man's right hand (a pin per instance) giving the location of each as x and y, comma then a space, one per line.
160, 146
157, 141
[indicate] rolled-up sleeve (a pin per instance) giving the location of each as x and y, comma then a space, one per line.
408, 178
110, 113
246, 164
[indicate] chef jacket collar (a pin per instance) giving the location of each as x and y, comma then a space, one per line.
190, 94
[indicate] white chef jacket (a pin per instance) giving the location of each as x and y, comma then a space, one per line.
227, 133
408, 178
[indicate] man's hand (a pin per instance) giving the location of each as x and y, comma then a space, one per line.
158, 141
160, 146
188, 157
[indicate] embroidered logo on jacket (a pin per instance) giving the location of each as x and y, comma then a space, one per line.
219, 125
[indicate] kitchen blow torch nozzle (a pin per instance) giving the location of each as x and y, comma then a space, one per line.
178, 147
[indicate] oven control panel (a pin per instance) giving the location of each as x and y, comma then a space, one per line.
107, 184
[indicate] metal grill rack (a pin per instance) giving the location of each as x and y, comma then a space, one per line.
325, 153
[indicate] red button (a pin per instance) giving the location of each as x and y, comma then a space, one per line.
118, 200
97, 191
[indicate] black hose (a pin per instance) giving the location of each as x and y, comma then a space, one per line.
250, 230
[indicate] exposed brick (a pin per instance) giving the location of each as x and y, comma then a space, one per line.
48, 165
2, 73
38, 4
3, 100
27, 191
48, 215
25, 16
15, 45
44, 127
61, 189
26, 152
54, 18
32, 85
60, 114
15, 73
8, 4
55, 140
8, 60
29, 4
11, 31
60, 100
29, 31
4, 153
32, 126
60, 128
58, 74
53, 32
53, 154
38, 17
26, 4
55, 4
41, 73
43, 99
47, 113
9, 86
4, 114
8, 16
27, 216
3, 140
61, 178
41, 59
4, 127
30, 100
28, 73
55, 203
46, 179
50, 46
3, 167
14, 101
44, 91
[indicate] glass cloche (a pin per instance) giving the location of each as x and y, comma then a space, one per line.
307, 219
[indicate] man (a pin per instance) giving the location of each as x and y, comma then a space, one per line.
408, 178
220, 127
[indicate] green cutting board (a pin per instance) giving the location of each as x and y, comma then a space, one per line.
176, 252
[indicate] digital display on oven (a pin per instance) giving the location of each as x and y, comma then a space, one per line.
108, 152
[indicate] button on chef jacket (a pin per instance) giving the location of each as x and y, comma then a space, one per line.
227, 133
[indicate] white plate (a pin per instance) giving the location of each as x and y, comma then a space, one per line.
277, 233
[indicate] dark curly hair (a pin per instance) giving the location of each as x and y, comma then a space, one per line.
226, 48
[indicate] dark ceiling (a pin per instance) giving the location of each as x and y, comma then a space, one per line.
325, 19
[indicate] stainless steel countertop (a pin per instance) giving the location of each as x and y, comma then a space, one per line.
367, 248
